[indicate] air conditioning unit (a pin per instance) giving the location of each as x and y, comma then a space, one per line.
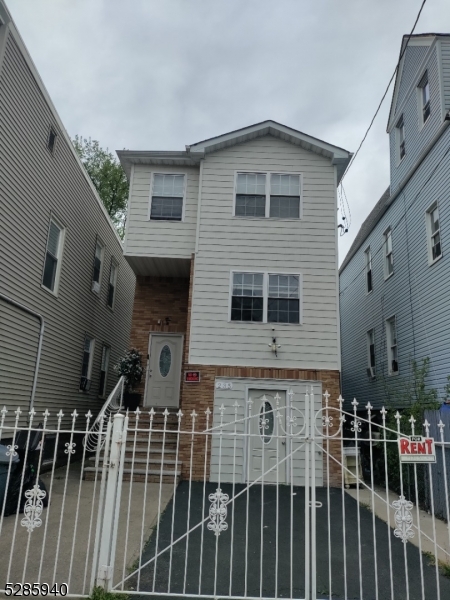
85, 384
371, 372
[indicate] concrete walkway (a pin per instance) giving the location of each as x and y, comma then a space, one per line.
69, 539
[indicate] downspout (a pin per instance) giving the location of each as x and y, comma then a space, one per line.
40, 318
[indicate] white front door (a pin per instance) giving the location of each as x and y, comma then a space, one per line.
164, 370
267, 449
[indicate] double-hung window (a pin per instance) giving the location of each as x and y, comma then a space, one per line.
86, 367
284, 299
400, 130
247, 302
98, 266
424, 90
104, 371
368, 255
272, 195
388, 257
371, 353
112, 284
167, 197
391, 341
53, 256
434, 235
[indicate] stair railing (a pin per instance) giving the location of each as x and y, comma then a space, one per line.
95, 438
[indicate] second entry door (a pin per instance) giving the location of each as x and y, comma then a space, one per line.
164, 370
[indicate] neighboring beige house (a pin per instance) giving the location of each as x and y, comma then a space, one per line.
60, 254
234, 244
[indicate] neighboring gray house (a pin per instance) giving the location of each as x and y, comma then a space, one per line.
395, 279
60, 255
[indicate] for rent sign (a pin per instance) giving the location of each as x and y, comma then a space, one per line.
417, 449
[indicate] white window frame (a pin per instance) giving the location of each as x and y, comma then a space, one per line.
265, 275
59, 257
368, 259
423, 82
386, 254
430, 235
91, 358
116, 267
105, 349
183, 209
399, 133
97, 286
268, 175
390, 345
371, 333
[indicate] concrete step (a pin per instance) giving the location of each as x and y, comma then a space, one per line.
152, 475
141, 462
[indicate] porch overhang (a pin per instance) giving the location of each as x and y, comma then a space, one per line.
159, 266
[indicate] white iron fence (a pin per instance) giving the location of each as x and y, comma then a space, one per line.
272, 498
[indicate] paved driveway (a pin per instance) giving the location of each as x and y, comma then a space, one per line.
199, 571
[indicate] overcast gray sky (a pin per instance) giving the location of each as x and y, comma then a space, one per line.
160, 74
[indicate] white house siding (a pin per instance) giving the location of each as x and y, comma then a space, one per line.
34, 185
172, 239
306, 246
225, 448
416, 136
417, 293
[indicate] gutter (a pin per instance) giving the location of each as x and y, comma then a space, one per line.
40, 318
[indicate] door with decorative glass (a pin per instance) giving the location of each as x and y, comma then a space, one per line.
267, 439
164, 370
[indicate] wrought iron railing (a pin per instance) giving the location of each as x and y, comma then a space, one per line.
113, 404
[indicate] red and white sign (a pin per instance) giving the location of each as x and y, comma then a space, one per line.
192, 376
417, 449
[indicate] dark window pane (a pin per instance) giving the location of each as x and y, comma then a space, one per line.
369, 281
48, 279
110, 295
101, 387
165, 208
250, 206
51, 140
283, 310
97, 265
285, 207
246, 309
85, 366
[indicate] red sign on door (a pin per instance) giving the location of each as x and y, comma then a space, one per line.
417, 449
192, 376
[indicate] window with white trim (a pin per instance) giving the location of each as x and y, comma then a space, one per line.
391, 341
53, 256
112, 284
167, 197
424, 90
272, 195
247, 301
371, 353
51, 140
283, 304
86, 367
434, 233
98, 267
388, 256
368, 255
104, 365
400, 133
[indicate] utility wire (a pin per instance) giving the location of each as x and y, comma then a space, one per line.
385, 93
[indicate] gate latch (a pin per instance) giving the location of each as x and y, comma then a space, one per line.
317, 504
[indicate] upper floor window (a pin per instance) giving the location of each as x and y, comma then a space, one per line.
104, 365
388, 257
391, 341
371, 353
98, 266
368, 255
112, 284
51, 140
400, 132
275, 195
284, 299
53, 256
86, 367
247, 297
434, 235
167, 197
424, 89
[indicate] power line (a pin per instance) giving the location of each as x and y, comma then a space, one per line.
385, 93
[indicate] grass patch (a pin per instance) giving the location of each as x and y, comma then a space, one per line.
98, 593
444, 568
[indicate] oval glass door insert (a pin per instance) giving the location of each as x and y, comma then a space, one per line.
165, 360
266, 422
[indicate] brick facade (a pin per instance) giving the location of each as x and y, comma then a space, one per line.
158, 298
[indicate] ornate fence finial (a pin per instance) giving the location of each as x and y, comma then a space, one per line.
326, 395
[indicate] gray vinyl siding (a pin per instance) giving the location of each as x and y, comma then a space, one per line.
417, 293
34, 185
416, 136
231, 460
413, 57
306, 246
174, 239
445, 54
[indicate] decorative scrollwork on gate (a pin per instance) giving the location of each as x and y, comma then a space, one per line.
33, 508
218, 512
403, 519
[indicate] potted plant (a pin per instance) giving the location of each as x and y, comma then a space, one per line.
130, 366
